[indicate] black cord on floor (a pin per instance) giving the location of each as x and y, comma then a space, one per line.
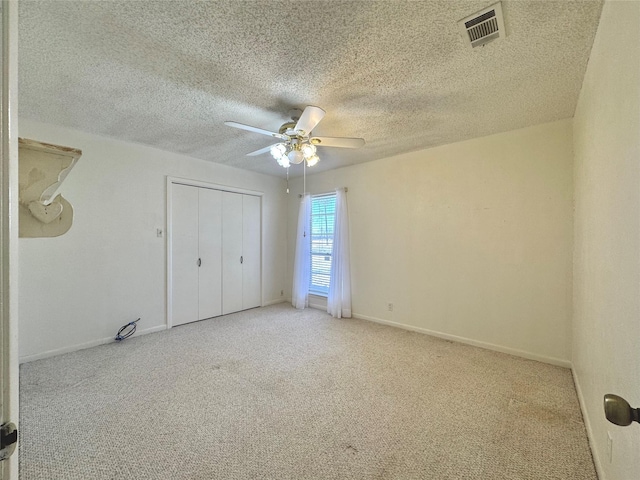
124, 333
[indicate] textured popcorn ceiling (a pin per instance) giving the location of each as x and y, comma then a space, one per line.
397, 73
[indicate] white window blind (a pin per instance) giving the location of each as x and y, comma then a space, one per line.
323, 211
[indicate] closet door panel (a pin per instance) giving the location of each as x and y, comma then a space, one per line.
210, 252
184, 254
251, 267
231, 252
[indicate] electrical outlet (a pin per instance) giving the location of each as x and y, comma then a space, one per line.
390, 307
609, 447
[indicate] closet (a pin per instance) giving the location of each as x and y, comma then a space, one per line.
214, 252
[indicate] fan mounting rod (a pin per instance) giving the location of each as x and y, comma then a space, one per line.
295, 114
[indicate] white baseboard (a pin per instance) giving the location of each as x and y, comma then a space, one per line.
317, 306
446, 336
587, 424
274, 302
82, 346
468, 341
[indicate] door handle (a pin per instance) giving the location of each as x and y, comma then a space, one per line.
241, 259
618, 411
8, 440
199, 262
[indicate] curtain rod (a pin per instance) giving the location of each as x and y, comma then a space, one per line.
345, 190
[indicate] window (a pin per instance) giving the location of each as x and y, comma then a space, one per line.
323, 212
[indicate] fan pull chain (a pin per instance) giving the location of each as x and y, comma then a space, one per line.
304, 188
287, 180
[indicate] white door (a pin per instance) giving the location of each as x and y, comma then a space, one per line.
251, 265
210, 253
231, 252
9, 227
184, 254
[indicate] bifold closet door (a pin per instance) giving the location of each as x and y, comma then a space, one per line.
241, 279
196, 251
184, 254
231, 252
210, 253
215, 253
251, 239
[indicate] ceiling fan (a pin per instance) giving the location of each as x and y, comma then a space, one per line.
297, 144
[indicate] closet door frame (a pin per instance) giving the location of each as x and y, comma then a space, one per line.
169, 227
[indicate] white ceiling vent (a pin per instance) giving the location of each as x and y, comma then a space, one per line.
483, 27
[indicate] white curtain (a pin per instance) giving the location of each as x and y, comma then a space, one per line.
302, 265
339, 300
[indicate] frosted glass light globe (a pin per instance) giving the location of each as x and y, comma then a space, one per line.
283, 161
295, 156
312, 160
278, 150
308, 151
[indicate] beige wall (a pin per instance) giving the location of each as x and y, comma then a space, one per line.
606, 325
110, 268
472, 241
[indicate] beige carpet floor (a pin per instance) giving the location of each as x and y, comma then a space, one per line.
277, 393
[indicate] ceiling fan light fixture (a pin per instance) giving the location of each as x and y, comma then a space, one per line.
278, 150
283, 161
296, 144
308, 150
295, 156
311, 161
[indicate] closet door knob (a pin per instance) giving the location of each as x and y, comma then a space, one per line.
199, 262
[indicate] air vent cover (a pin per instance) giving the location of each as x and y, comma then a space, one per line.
483, 27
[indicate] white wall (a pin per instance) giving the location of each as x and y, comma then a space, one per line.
606, 325
472, 240
79, 288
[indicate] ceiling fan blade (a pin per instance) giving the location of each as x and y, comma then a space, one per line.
260, 152
342, 142
309, 119
249, 128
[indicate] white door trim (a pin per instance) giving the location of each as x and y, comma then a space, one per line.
9, 228
213, 186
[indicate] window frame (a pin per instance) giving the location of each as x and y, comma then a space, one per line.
317, 289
